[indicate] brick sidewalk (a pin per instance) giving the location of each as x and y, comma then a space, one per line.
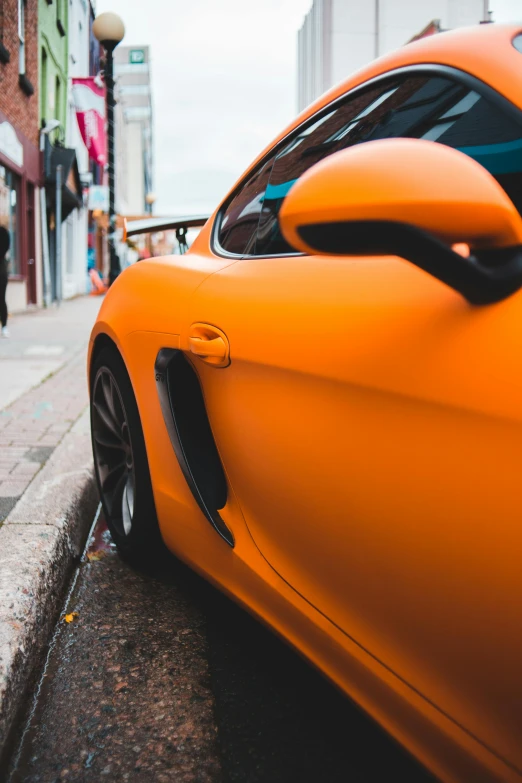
32, 426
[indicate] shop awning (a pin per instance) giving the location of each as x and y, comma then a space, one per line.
72, 196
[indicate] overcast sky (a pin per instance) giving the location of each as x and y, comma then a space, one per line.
224, 84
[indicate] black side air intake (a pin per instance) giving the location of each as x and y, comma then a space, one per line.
189, 430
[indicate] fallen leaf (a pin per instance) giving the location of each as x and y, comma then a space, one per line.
69, 618
94, 556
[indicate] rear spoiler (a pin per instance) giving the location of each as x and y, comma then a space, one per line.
180, 225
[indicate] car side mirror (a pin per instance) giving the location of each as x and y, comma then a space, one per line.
415, 199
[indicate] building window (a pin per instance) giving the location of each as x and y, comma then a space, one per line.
21, 37
59, 23
4, 53
9, 190
57, 99
134, 113
23, 81
44, 87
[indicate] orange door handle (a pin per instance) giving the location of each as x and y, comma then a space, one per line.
215, 348
210, 344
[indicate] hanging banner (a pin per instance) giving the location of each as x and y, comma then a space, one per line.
89, 101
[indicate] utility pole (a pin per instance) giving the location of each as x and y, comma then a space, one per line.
58, 233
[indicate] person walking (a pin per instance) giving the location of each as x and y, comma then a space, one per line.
5, 242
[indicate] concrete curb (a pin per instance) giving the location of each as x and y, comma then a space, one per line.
39, 542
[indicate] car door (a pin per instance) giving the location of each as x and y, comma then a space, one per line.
370, 423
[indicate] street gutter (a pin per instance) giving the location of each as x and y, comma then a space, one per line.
40, 541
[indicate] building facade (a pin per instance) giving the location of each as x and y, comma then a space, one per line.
19, 157
134, 130
52, 24
340, 36
75, 230
59, 161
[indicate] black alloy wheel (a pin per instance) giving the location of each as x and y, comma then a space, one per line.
120, 461
112, 447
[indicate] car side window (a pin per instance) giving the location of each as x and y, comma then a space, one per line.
237, 230
424, 106
350, 119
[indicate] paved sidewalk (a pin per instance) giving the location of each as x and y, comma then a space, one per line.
43, 389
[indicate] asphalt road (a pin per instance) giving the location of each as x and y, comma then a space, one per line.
163, 679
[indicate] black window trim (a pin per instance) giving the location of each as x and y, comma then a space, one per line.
437, 69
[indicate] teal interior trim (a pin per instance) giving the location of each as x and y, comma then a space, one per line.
274, 192
504, 158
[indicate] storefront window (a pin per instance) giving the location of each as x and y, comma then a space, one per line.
9, 190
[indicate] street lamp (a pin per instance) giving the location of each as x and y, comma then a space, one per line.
109, 30
150, 198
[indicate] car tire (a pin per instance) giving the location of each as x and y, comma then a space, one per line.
120, 462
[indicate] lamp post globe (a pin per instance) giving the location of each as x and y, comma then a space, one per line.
109, 29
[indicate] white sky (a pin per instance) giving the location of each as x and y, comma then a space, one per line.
224, 84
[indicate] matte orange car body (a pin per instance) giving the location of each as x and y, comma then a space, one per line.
389, 553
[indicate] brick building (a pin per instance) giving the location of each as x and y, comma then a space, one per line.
19, 149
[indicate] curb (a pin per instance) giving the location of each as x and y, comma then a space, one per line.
39, 542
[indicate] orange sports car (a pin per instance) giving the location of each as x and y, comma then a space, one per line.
319, 406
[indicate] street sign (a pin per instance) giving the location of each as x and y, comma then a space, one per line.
137, 56
99, 197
